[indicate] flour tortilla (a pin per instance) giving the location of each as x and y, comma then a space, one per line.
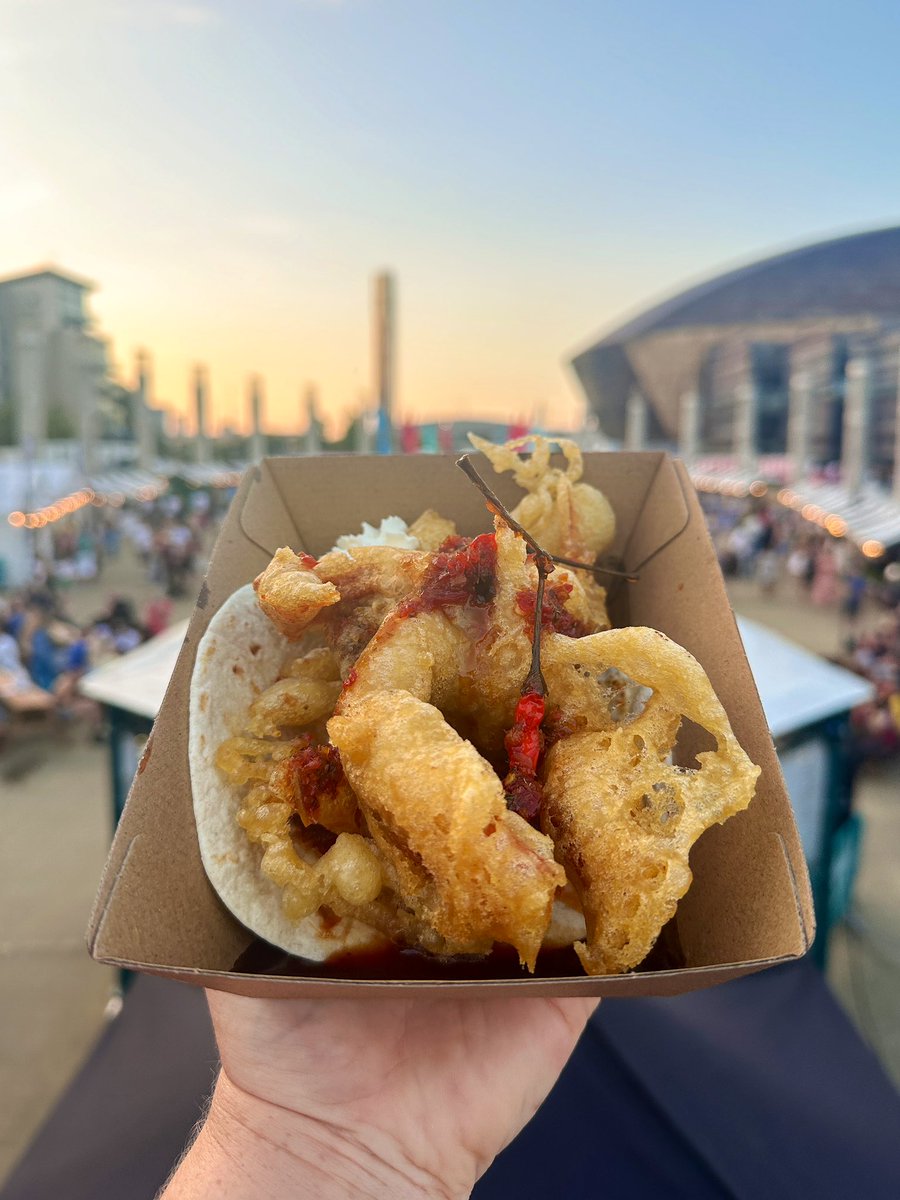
240, 655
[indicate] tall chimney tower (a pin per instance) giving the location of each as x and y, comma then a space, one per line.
143, 430
383, 338
201, 398
257, 440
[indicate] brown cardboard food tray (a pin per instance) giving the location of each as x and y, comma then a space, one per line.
750, 904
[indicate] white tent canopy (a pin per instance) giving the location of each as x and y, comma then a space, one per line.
797, 688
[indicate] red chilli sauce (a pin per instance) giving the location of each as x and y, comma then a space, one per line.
317, 774
461, 572
555, 617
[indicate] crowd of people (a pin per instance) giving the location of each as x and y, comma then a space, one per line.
776, 548
876, 655
167, 536
45, 651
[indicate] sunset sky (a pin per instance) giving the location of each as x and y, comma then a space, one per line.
232, 174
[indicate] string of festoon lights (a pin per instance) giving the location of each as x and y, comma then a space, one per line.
51, 513
830, 522
814, 513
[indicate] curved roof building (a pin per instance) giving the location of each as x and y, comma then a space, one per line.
811, 307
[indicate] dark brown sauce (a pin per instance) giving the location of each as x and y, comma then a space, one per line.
396, 963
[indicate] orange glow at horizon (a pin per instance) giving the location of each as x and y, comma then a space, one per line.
332, 359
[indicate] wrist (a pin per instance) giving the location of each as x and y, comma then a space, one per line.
250, 1149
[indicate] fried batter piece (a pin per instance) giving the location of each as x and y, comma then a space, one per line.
432, 530
351, 591
466, 866
621, 817
297, 702
371, 581
347, 874
291, 594
318, 663
563, 515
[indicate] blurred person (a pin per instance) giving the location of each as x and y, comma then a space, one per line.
798, 565
141, 534
157, 615
13, 618
739, 543
118, 630
87, 559
854, 593
70, 704
825, 583
767, 570
112, 540
178, 550
13, 674
39, 648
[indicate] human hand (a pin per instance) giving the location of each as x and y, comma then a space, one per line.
372, 1097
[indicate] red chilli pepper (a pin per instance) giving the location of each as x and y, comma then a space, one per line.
523, 742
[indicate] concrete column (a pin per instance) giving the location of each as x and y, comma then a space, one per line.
143, 428
201, 397
635, 422
30, 401
365, 429
257, 439
855, 450
313, 441
90, 363
799, 411
689, 426
383, 335
746, 403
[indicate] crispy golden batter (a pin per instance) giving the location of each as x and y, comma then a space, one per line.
468, 867
371, 580
434, 647
291, 594
347, 873
333, 807
563, 515
297, 702
621, 817
431, 529
319, 663
470, 662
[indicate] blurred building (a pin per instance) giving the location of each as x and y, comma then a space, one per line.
53, 366
728, 355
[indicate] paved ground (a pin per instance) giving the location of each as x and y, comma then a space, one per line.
54, 831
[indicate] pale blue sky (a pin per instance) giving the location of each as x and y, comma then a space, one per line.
232, 173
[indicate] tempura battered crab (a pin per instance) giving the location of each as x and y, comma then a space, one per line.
482, 761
